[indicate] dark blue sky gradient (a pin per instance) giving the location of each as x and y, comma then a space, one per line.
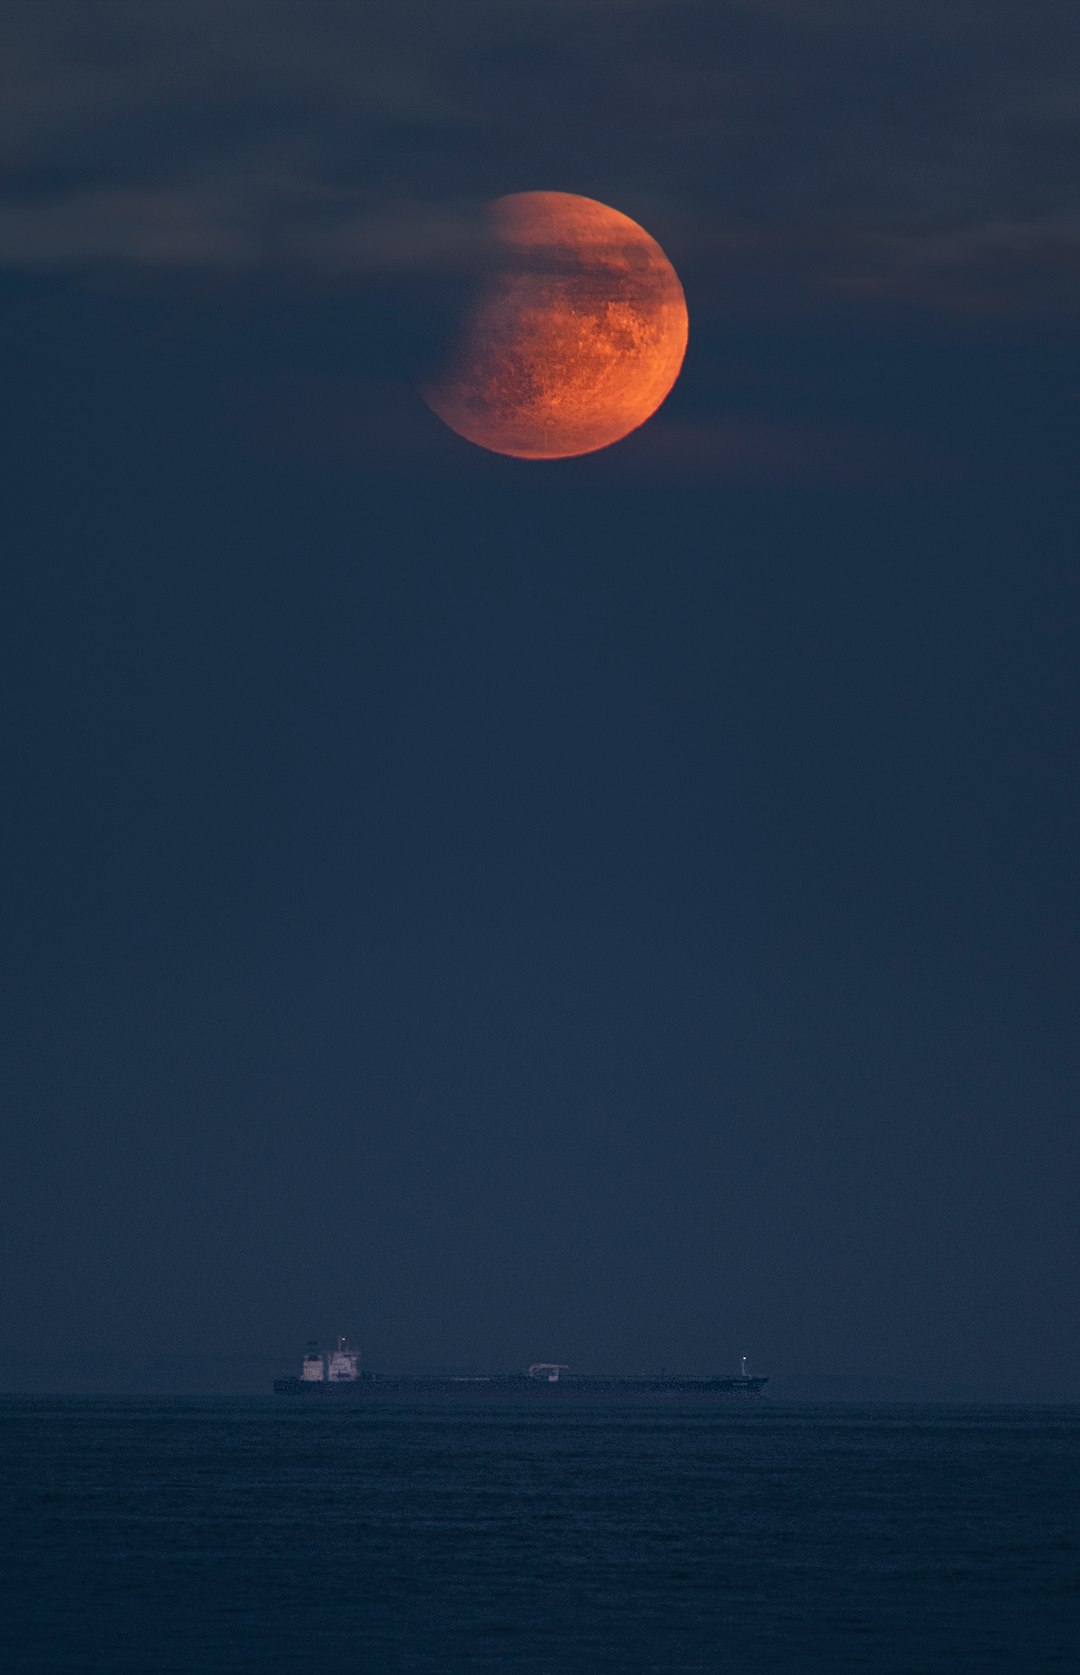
621, 910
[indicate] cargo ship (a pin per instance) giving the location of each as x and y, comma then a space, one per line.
337, 1374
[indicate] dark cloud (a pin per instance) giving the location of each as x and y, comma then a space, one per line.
802, 151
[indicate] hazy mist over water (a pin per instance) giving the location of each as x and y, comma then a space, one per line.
244, 1535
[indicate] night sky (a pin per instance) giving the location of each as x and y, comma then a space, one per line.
620, 910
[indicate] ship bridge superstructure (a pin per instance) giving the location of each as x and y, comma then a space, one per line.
340, 1366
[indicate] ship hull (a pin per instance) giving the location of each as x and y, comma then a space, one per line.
375, 1387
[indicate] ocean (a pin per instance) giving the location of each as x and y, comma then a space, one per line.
262, 1536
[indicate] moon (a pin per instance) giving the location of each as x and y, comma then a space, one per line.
574, 335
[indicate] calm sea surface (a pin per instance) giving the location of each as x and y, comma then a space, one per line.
182, 1535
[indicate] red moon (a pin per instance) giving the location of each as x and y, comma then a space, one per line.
574, 337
